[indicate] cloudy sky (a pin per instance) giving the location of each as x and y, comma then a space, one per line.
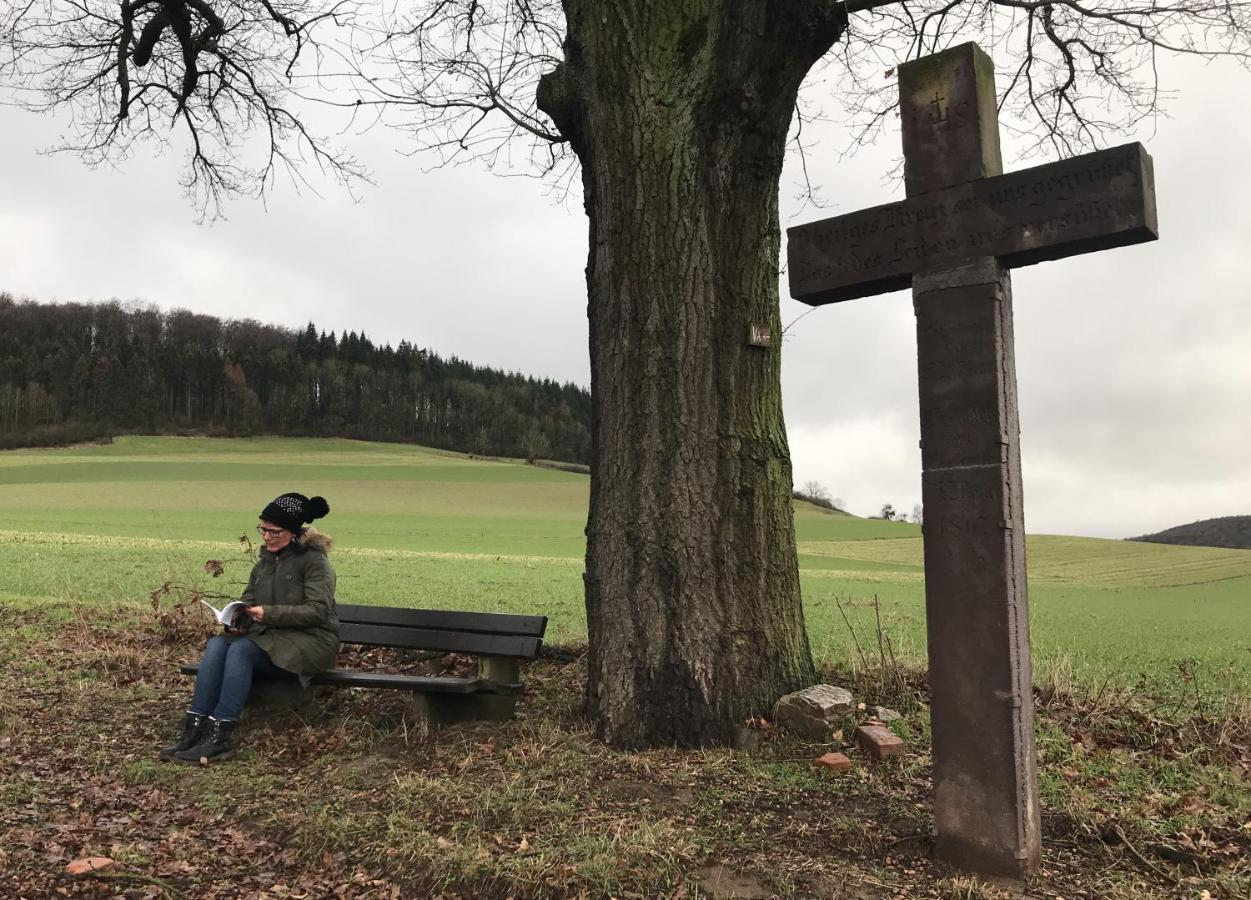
1134, 365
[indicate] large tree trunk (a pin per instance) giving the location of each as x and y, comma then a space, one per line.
678, 110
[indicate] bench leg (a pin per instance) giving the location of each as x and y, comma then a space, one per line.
500, 669
444, 709
271, 693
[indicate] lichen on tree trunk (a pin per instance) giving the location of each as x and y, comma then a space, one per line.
679, 114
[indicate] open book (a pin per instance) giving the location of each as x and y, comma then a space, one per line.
228, 614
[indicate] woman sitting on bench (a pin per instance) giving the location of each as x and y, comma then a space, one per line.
287, 630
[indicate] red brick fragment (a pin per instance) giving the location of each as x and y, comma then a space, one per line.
836, 761
89, 864
878, 741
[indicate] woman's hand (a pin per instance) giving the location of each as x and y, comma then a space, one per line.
256, 612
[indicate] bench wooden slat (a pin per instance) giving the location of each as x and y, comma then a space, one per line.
431, 639
443, 620
423, 683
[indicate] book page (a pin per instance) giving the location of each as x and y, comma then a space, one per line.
227, 614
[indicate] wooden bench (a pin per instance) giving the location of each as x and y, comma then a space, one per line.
500, 641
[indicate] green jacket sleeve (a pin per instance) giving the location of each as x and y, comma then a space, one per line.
249, 590
319, 583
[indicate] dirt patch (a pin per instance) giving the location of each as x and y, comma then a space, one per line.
632, 792
723, 883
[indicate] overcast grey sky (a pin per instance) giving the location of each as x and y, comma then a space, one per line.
1134, 365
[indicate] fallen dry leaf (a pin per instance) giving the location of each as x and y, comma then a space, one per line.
89, 864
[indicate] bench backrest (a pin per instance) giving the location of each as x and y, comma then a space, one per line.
475, 633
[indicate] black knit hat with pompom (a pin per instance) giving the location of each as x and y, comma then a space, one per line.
291, 511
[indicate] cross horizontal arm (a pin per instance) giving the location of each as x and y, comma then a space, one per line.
1092, 202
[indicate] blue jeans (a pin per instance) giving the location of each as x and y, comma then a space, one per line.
225, 676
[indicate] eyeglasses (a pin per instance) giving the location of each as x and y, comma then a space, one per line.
269, 532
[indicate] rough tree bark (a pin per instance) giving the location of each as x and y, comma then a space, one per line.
679, 112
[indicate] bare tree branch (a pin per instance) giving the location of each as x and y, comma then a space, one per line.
461, 77
207, 73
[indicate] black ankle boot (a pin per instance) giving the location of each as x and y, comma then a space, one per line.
193, 728
214, 746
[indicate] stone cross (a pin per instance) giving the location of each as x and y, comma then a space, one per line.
963, 225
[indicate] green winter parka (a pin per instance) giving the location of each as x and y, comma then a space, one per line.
300, 631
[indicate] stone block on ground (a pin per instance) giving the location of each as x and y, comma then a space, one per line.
814, 712
835, 761
883, 714
878, 741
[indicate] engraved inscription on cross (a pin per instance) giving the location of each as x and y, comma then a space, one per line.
963, 225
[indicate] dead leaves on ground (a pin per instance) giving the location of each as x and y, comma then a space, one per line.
80, 722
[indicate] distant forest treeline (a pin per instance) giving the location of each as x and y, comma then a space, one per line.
77, 371
1232, 532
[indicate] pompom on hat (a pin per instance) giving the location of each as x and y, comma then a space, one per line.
291, 511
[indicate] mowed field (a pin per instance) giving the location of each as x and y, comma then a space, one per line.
105, 525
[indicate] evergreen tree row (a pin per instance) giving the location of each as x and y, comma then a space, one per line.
74, 371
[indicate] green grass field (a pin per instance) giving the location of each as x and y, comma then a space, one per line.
104, 525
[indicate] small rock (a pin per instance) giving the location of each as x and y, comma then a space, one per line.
878, 741
745, 738
836, 761
89, 864
814, 712
883, 713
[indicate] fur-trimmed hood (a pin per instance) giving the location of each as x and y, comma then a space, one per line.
312, 539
